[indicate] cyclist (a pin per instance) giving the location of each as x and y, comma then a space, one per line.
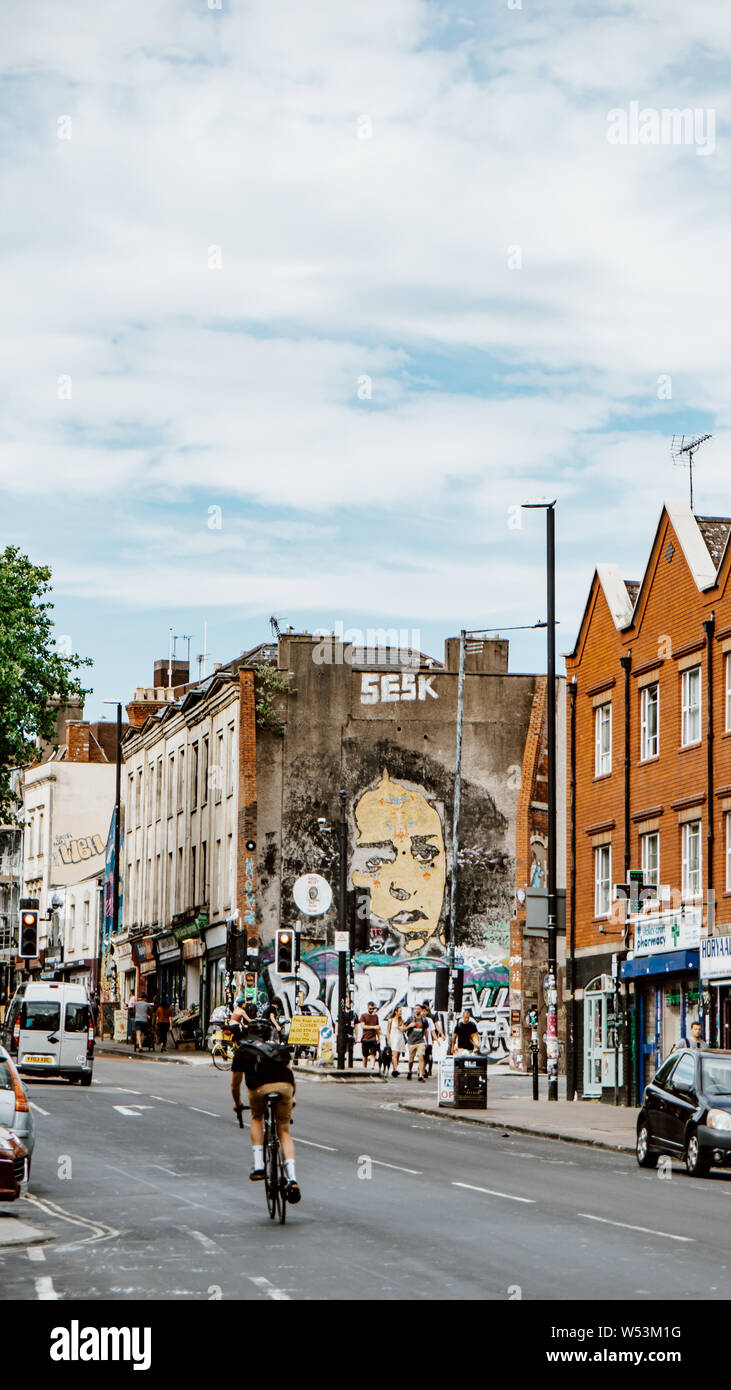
262, 1077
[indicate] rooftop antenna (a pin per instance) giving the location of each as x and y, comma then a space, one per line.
682, 446
179, 637
203, 656
274, 625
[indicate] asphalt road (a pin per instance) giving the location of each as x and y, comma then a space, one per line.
141, 1183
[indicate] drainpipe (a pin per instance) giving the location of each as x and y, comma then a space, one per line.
709, 627
571, 1060
626, 664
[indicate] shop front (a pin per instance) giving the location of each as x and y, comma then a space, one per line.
144, 953
715, 973
216, 975
123, 961
603, 1054
170, 974
666, 1002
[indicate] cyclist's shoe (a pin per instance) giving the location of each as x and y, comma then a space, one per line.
257, 1175
292, 1193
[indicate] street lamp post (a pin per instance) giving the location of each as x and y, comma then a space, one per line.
342, 977
551, 984
117, 818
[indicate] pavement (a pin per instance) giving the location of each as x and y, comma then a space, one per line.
144, 1193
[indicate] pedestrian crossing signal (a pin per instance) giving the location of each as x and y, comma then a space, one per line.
284, 956
29, 933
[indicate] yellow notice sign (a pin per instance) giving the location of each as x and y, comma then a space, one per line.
304, 1031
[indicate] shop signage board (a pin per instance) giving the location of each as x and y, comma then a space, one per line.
716, 958
660, 932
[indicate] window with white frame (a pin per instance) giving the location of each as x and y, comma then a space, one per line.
650, 845
691, 705
728, 692
602, 880
692, 859
602, 740
650, 721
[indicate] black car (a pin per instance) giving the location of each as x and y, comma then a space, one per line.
686, 1111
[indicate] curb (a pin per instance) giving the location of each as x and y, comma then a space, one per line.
515, 1128
143, 1056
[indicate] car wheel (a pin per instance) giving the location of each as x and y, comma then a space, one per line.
645, 1157
85, 1078
697, 1165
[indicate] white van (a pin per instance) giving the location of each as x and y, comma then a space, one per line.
49, 1030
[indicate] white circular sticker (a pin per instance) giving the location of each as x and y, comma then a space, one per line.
312, 895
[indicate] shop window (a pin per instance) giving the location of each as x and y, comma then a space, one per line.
692, 859
691, 706
650, 722
602, 880
602, 740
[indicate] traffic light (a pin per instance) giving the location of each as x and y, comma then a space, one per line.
284, 957
458, 989
29, 932
237, 949
441, 990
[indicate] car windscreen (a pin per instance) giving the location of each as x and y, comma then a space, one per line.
716, 1076
43, 1015
6, 1077
77, 1018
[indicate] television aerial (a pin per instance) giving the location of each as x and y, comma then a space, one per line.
682, 451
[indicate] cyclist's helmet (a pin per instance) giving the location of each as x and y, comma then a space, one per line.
260, 1028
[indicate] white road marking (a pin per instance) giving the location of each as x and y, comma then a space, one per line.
128, 1110
39, 1108
397, 1166
36, 1252
205, 1241
166, 1170
490, 1192
278, 1294
312, 1145
627, 1226
213, 1113
44, 1287
166, 1101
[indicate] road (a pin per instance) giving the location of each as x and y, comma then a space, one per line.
141, 1183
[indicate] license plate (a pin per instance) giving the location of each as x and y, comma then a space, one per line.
34, 1061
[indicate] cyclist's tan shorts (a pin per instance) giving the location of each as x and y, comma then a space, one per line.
258, 1100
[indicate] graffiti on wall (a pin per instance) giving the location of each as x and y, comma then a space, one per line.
400, 858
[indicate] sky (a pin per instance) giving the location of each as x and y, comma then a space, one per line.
301, 301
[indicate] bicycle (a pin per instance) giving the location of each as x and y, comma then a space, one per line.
223, 1047
275, 1182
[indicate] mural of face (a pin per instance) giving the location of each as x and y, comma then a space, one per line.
400, 857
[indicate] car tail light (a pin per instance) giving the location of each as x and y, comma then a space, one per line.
16, 1032
90, 1038
21, 1100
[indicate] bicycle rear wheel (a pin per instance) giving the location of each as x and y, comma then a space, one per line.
271, 1170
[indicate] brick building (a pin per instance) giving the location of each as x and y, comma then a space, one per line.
649, 789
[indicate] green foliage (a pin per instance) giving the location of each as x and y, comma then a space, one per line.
36, 679
268, 683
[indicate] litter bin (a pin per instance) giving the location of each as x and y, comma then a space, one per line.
470, 1082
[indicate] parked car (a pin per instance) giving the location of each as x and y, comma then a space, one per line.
686, 1111
13, 1165
49, 1030
15, 1111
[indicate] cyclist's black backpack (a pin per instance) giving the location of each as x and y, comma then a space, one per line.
263, 1057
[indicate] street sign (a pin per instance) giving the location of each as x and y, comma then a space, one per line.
342, 941
304, 1031
667, 931
312, 894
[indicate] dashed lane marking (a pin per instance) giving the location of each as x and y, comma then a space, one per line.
44, 1287
627, 1226
39, 1108
397, 1166
36, 1252
490, 1192
165, 1100
213, 1113
312, 1145
278, 1294
205, 1241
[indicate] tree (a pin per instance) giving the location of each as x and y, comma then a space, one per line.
36, 678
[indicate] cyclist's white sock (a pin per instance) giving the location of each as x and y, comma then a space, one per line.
289, 1169
258, 1155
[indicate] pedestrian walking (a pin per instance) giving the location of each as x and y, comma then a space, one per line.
162, 1020
370, 1032
143, 1009
433, 1033
350, 1023
396, 1038
465, 1037
416, 1031
131, 1004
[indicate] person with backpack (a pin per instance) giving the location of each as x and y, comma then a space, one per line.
264, 1066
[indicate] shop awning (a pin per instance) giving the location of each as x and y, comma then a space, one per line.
670, 963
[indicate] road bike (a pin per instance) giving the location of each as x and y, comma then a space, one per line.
275, 1181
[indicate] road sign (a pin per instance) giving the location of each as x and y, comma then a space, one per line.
304, 1031
312, 894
